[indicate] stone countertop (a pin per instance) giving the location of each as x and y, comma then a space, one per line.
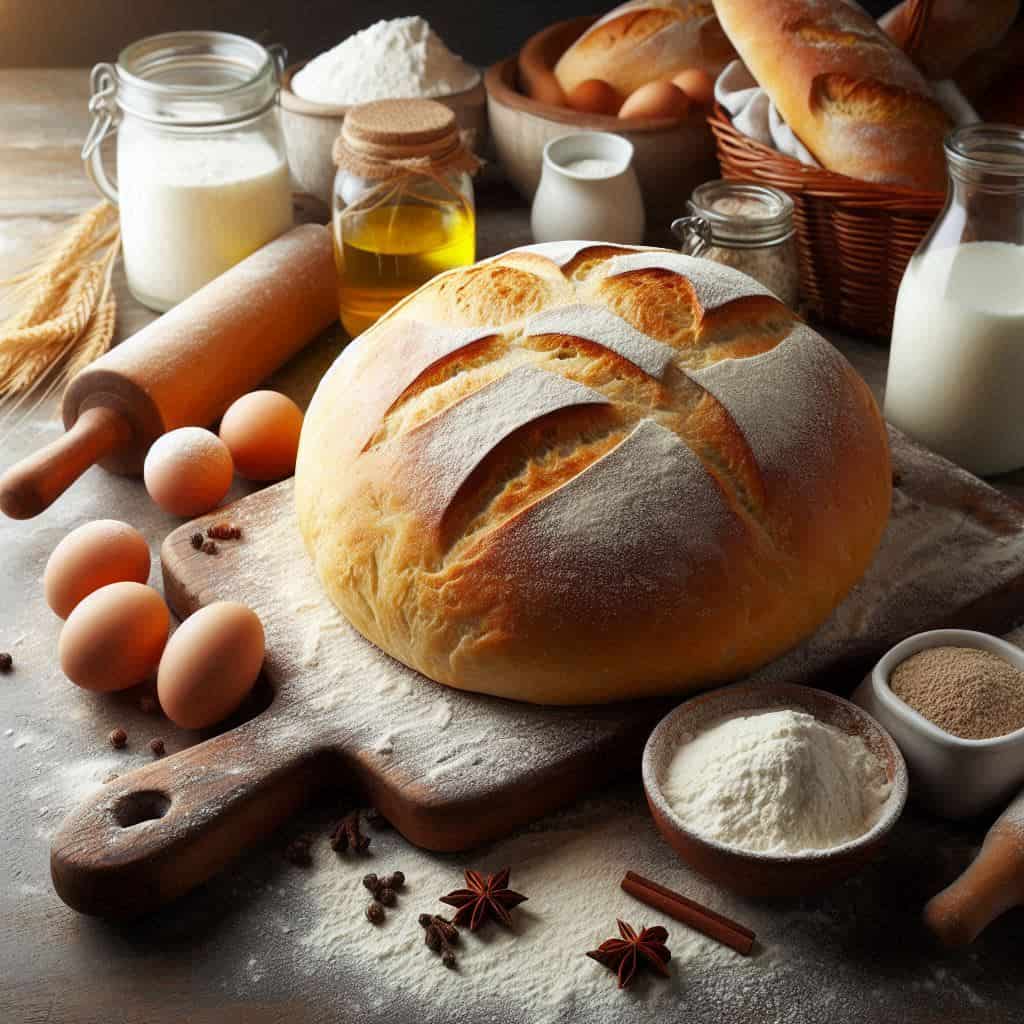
251, 945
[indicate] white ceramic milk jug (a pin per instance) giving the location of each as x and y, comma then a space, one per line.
588, 189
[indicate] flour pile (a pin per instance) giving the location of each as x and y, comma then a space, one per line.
398, 59
778, 782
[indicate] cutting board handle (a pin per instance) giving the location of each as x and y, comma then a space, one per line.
154, 833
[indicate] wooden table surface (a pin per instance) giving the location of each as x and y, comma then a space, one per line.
220, 954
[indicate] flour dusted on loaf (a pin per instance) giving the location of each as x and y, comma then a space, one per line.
399, 59
586, 472
777, 782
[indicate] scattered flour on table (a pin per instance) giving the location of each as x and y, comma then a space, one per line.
570, 874
398, 59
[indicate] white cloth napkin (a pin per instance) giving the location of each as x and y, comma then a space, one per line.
754, 114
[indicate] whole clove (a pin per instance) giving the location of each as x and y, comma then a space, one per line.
346, 835
224, 531
439, 935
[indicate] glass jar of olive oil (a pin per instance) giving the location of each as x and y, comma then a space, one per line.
403, 204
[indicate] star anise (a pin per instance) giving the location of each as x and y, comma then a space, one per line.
483, 898
633, 951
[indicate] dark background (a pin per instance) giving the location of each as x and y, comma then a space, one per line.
55, 33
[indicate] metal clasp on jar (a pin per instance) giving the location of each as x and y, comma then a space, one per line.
694, 233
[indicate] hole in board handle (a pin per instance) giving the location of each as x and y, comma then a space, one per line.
145, 805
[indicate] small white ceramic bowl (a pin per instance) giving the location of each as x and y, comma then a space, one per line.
767, 876
311, 128
954, 777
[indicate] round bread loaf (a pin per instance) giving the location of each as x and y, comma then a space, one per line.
580, 472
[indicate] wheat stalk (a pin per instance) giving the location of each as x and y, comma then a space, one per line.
67, 312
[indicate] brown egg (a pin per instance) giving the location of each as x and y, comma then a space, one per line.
114, 637
697, 84
210, 664
92, 556
188, 471
595, 96
656, 99
261, 430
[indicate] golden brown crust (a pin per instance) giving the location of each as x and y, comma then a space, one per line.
634, 473
850, 94
643, 40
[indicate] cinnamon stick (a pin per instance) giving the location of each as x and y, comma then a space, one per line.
699, 917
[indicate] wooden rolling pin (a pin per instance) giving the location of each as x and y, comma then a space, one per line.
989, 887
185, 368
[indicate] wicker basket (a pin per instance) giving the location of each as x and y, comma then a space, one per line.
854, 237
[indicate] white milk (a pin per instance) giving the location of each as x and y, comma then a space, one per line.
193, 207
956, 369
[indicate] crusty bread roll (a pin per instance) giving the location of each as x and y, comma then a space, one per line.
956, 30
581, 472
643, 40
851, 95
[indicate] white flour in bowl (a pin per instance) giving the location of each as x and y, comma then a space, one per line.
398, 59
776, 782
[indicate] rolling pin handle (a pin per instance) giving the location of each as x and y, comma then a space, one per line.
991, 885
32, 485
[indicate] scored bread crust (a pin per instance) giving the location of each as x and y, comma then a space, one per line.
581, 472
852, 97
644, 40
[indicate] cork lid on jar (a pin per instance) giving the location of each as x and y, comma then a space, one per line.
389, 137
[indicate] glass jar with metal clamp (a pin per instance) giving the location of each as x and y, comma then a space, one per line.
202, 172
747, 227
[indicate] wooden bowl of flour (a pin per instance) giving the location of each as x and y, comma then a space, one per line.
311, 128
770, 876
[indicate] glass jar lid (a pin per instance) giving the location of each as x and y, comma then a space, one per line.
196, 78
743, 215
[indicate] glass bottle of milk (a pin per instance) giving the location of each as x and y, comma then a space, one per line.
202, 173
956, 369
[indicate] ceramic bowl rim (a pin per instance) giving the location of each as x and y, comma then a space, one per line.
892, 809
296, 104
931, 638
624, 162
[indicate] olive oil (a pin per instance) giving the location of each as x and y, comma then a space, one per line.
387, 252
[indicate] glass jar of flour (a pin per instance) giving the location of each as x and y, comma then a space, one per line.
202, 172
956, 367
748, 227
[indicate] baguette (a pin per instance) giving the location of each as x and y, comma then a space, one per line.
849, 93
644, 40
956, 31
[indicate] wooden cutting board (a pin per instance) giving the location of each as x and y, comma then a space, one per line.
452, 769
